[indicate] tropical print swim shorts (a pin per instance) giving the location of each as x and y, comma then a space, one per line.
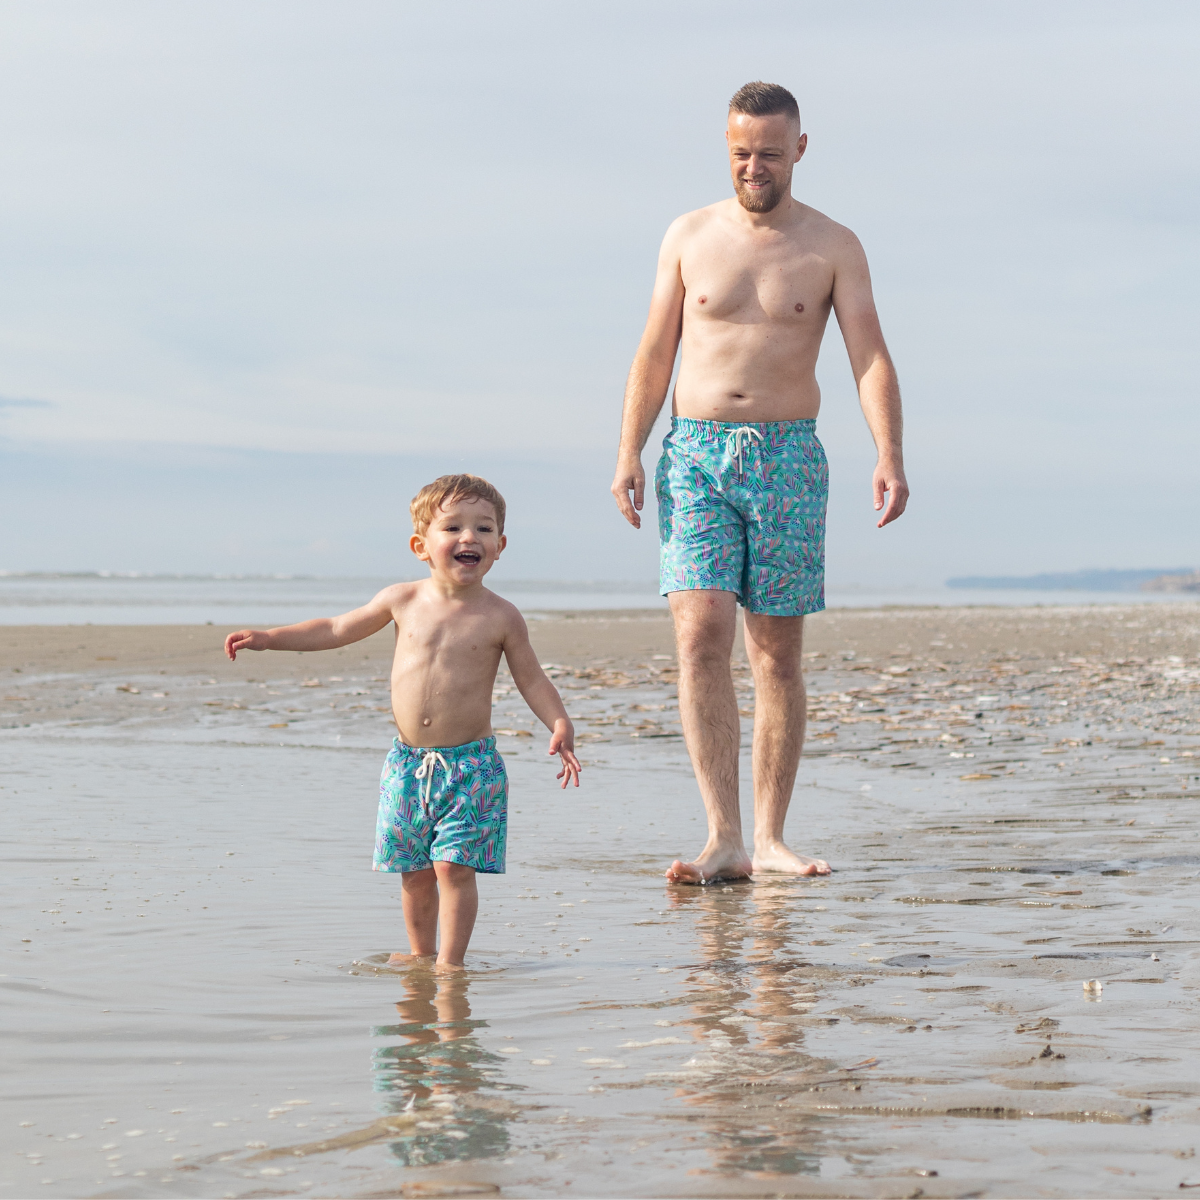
741, 508
443, 805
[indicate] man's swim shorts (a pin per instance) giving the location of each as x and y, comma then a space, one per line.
741, 508
443, 805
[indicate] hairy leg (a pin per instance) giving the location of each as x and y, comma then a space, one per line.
704, 628
460, 903
774, 646
419, 897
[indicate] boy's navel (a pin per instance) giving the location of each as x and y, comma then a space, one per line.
426, 721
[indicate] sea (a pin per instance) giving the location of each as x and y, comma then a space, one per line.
113, 598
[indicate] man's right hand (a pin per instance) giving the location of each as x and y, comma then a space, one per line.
630, 478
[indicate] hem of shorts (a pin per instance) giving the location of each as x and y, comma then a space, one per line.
384, 870
478, 870
666, 591
805, 611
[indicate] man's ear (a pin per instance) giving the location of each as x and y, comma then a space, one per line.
801, 146
416, 544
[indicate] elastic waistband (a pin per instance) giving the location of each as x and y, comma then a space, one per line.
717, 431
481, 746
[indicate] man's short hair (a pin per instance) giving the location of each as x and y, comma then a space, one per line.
453, 487
760, 99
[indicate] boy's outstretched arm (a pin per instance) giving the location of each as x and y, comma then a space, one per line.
323, 633
541, 696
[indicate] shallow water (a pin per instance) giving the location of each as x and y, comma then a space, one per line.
199, 1008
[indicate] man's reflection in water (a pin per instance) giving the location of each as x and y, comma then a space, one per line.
750, 984
442, 1073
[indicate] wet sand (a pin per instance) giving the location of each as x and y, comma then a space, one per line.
194, 1004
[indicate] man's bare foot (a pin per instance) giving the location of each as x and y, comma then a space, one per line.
776, 857
711, 868
409, 960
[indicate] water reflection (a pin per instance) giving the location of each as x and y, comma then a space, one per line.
441, 1072
752, 988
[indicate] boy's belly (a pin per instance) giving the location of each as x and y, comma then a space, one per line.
435, 708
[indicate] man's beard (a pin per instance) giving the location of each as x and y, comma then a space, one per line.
760, 200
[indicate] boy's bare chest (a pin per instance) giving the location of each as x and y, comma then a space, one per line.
461, 643
783, 280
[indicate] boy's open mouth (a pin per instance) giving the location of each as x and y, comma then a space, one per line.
468, 557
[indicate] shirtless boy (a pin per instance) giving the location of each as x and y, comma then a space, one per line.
443, 796
745, 288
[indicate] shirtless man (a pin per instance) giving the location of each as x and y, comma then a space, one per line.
747, 285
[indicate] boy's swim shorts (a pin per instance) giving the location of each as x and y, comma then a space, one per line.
741, 508
443, 805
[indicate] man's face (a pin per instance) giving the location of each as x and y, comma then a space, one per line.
762, 152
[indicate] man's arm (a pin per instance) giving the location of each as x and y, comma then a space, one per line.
323, 633
649, 377
878, 387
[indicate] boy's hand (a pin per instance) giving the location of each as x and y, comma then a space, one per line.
562, 743
244, 639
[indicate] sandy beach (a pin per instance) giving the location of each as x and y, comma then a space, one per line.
195, 1004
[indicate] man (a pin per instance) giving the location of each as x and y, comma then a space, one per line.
747, 285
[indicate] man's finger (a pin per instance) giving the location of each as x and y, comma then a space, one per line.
621, 494
897, 501
639, 491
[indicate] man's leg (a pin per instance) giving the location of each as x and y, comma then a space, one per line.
774, 647
704, 629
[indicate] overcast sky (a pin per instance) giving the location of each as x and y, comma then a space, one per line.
266, 268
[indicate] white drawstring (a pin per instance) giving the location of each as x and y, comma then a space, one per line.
738, 441
425, 772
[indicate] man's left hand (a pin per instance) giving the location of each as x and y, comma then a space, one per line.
889, 481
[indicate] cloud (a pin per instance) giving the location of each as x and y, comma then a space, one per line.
24, 402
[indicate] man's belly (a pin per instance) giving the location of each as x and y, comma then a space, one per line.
754, 384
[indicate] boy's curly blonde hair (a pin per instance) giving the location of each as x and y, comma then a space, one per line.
453, 487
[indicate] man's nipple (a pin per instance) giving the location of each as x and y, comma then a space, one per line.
799, 307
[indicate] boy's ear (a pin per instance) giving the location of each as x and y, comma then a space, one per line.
416, 544
503, 543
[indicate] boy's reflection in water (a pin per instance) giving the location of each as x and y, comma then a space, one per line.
752, 966
438, 1071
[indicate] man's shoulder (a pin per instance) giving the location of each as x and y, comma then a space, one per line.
815, 225
691, 223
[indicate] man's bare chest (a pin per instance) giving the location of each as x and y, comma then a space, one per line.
732, 281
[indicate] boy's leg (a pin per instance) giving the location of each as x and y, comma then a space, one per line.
419, 896
459, 904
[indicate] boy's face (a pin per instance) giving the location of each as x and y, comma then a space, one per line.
462, 542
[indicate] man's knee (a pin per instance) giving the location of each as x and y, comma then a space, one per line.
705, 623
774, 646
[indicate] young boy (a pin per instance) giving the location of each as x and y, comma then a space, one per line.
444, 793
